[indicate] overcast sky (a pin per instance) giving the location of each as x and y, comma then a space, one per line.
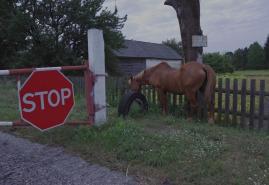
229, 24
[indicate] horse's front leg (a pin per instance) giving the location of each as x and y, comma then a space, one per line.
193, 104
163, 101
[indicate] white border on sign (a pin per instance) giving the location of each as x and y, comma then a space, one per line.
67, 116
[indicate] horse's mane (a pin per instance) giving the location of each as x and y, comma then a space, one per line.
140, 75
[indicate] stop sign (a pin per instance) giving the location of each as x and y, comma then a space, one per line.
46, 99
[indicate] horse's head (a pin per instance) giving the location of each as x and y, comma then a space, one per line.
135, 84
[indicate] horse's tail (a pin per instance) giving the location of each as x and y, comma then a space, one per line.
210, 84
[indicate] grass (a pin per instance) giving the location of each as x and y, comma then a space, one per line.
159, 149
248, 75
9, 107
156, 149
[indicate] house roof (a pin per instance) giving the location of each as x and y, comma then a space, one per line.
139, 49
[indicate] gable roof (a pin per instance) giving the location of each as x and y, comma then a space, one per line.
139, 49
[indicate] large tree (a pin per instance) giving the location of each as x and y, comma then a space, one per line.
220, 63
266, 50
57, 30
239, 59
13, 33
255, 56
188, 14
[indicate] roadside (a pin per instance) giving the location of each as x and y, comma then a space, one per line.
159, 150
23, 162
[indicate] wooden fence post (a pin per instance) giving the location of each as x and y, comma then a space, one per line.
235, 93
261, 103
154, 96
227, 101
243, 103
252, 103
219, 99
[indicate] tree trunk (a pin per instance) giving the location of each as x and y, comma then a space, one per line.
188, 14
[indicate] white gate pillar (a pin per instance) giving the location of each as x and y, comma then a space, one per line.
96, 59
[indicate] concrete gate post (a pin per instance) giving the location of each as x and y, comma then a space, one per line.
96, 59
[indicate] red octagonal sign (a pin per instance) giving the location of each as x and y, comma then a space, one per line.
46, 99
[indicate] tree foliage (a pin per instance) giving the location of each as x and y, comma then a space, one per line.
255, 57
54, 32
13, 31
239, 59
175, 45
266, 51
220, 63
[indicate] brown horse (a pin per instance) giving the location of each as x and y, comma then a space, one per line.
188, 80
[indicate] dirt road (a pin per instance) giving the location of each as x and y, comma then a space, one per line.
26, 163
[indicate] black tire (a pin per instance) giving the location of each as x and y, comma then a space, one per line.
128, 99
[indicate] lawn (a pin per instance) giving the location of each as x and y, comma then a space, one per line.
248, 75
9, 107
156, 149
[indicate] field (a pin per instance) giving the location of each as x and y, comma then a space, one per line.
249, 74
156, 149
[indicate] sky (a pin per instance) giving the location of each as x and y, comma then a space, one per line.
228, 24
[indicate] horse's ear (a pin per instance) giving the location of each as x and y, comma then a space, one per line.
130, 80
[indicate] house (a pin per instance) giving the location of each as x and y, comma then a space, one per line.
138, 55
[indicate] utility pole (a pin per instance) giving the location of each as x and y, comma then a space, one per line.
193, 41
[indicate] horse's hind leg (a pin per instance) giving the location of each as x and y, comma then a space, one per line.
211, 106
163, 100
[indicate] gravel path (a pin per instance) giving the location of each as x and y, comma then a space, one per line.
25, 163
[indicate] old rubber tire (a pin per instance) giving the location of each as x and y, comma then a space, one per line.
127, 101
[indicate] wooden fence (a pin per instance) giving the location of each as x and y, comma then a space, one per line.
238, 102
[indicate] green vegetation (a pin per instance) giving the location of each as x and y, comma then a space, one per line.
9, 107
248, 75
158, 149
155, 148
54, 32
266, 50
220, 63
252, 57
256, 57
8, 101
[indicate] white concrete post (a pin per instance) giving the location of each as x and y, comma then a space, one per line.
96, 58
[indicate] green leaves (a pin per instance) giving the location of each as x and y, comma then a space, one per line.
255, 56
220, 63
54, 32
266, 50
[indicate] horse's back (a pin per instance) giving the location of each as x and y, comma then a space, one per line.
161, 70
192, 75
163, 65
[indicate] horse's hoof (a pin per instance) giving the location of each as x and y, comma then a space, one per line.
211, 121
189, 119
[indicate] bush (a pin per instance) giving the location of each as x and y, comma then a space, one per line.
220, 63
